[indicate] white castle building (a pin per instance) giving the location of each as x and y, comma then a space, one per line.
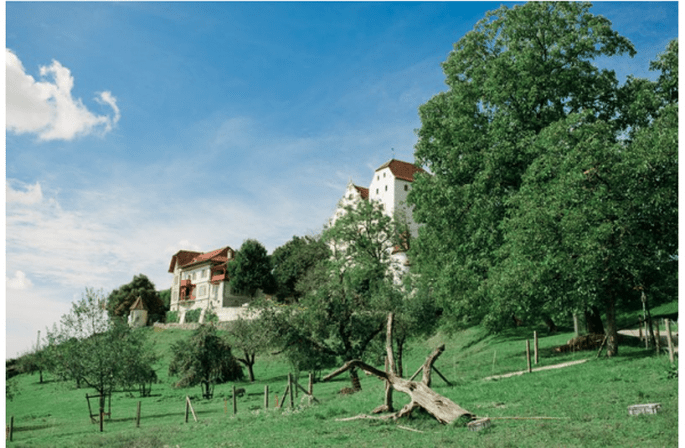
390, 186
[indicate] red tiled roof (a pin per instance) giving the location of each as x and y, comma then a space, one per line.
402, 170
186, 258
182, 257
364, 192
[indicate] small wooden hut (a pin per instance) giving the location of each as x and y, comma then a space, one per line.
138, 315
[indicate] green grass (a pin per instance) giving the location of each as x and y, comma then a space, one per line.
590, 401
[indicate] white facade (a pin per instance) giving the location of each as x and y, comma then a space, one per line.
391, 191
200, 282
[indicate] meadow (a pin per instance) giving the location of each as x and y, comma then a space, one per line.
583, 405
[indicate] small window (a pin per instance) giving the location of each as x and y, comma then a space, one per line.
383, 175
386, 188
406, 188
376, 190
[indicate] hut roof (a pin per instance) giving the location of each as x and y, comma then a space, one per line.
138, 304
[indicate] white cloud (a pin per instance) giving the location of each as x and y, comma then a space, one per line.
32, 194
46, 107
19, 281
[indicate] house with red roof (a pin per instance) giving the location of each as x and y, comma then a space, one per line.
200, 282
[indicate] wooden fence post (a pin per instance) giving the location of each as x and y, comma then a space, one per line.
138, 416
266, 396
535, 336
290, 385
310, 387
11, 428
646, 333
528, 355
658, 338
235, 402
670, 341
276, 401
639, 326
187, 409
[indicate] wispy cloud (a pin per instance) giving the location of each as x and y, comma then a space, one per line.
46, 107
19, 281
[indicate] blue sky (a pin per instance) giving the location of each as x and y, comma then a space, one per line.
135, 130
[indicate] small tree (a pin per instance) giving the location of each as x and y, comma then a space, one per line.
251, 269
249, 337
205, 359
90, 349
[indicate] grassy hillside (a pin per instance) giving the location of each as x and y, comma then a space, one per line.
589, 402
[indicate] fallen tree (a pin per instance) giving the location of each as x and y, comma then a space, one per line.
422, 396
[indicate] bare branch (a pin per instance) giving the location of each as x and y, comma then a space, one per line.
355, 363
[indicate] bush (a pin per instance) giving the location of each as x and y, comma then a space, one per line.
193, 316
172, 317
211, 317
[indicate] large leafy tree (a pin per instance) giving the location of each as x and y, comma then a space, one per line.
204, 359
516, 82
251, 269
292, 262
120, 300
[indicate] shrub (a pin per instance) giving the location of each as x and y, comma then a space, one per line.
172, 317
211, 317
193, 316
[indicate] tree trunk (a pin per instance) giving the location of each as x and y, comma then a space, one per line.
611, 330
354, 377
442, 408
102, 410
400, 352
593, 320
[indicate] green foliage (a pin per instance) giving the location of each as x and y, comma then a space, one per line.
165, 297
91, 350
539, 204
292, 262
120, 300
204, 359
250, 337
346, 296
251, 269
211, 316
193, 316
172, 317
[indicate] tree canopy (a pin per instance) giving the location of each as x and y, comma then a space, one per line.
204, 359
251, 269
349, 293
120, 300
292, 261
89, 348
530, 153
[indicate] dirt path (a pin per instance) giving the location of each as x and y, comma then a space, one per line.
537, 369
663, 337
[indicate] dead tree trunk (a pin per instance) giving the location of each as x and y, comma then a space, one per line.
422, 396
